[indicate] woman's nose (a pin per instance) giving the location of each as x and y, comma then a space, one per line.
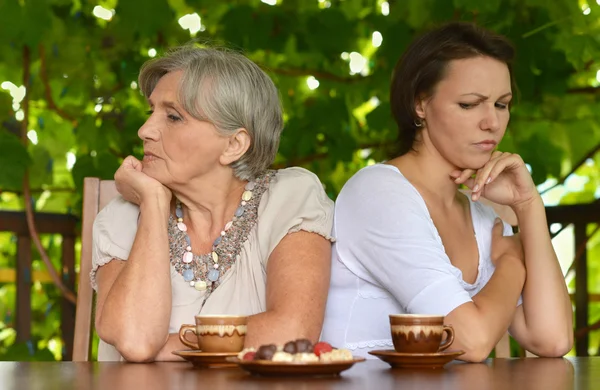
491, 121
149, 130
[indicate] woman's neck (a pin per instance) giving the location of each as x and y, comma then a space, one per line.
209, 202
429, 172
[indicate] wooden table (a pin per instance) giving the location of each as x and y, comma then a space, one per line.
496, 374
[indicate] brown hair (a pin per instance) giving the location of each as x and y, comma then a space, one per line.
424, 63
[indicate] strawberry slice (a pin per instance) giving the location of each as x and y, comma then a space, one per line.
249, 356
322, 347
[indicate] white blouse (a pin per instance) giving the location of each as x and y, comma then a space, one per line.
389, 259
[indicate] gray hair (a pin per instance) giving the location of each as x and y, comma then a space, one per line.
225, 88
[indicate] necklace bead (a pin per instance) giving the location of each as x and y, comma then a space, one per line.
247, 195
239, 211
188, 257
188, 275
213, 275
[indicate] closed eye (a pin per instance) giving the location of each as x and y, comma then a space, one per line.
466, 106
173, 118
502, 106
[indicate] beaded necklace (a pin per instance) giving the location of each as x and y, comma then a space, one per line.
205, 271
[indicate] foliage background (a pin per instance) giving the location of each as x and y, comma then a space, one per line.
332, 62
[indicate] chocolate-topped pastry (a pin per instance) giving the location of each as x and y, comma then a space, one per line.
290, 347
265, 352
303, 346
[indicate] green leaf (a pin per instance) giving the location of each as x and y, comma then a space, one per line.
42, 168
476, 5
11, 17
330, 32
381, 118
39, 21
145, 20
544, 157
14, 161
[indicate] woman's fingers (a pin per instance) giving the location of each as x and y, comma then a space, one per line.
470, 183
131, 162
507, 160
483, 175
461, 176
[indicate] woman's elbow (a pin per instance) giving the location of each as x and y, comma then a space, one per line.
129, 346
476, 354
477, 348
555, 347
137, 353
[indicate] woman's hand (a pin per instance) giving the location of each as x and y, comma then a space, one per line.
135, 186
503, 180
505, 245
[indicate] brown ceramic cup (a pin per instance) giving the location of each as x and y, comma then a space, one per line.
216, 333
416, 333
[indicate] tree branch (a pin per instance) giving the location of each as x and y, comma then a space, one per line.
70, 296
297, 72
40, 190
583, 331
583, 90
562, 180
321, 156
48, 91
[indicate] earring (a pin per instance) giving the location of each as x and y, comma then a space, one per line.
419, 122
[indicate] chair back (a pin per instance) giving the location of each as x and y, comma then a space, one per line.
96, 194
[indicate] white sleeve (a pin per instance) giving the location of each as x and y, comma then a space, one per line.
385, 235
113, 234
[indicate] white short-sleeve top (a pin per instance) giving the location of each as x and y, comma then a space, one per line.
294, 200
388, 258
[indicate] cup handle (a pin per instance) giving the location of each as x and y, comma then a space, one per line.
183, 331
449, 330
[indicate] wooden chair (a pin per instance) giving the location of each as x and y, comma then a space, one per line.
96, 194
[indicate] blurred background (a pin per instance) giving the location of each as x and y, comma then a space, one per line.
70, 107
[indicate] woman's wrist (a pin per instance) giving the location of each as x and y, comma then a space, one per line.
156, 203
522, 209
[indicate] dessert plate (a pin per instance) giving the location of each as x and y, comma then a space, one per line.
271, 368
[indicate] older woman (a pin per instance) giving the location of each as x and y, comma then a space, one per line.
408, 241
202, 225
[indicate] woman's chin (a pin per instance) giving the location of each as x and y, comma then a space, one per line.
474, 164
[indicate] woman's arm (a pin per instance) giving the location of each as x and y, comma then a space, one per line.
134, 297
478, 325
298, 274
133, 304
544, 323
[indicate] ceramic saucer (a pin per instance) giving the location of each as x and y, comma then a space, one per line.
416, 360
271, 368
206, 359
